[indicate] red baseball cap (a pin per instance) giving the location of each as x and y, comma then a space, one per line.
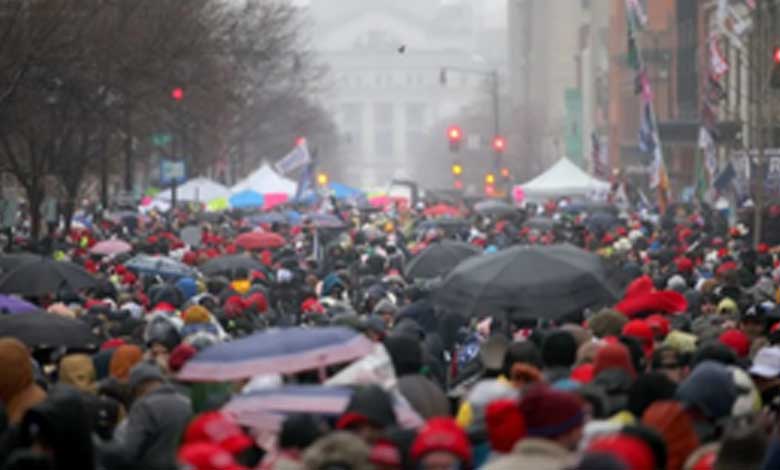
217, 428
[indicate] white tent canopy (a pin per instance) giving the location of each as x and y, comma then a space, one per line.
196, 190
265, 180
564, 179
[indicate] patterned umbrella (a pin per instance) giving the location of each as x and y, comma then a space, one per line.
285, 350
159, 266
111, 247
266, 409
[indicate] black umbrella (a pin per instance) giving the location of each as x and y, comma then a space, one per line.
539, 282
228, 264
13, 261
439, 259
494, 207
48, 330
540, 223
46, 276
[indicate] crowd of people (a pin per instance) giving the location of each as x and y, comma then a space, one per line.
681, 372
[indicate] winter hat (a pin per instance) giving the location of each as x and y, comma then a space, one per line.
368, 405
559, 349
112, 343
710, 388
196, 314
607, 323
217, 428
647, 389
207, 456
677, 283
142, 373
640, 330
505, 424
123, 359
583, 373
180, 355
338, 451
728, 307
631, 450
737, 341
681, 342
442, 435
673, 423
600, 461
386, 455
659, 324
613, 356
581, 335
550, 413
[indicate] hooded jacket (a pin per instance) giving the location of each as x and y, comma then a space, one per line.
18, 390
62, 422
153, 431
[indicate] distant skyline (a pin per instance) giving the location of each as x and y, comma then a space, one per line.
495, 9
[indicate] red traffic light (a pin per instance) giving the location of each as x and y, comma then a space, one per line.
177, 94
499, 144
490, 190
505, 172
458, 184
455, 134
300, 140
776, 55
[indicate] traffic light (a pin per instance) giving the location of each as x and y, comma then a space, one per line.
499, 144
458, 184
455, 136
300, 140
774, 81
490, 190
457, 169
177, 94
505, 172
322, 179
490, 179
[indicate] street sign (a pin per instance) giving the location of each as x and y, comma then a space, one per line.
161, 140
172, 171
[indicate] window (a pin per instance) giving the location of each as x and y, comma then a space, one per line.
415, 127
384, 129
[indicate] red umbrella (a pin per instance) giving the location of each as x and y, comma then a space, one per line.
440, 210
260, 240
111, 247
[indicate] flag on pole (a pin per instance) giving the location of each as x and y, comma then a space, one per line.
718, 64
298, 157
647, 142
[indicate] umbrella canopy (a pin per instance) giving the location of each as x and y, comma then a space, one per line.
439, 259
494, 207
111, 247
228, 264
260, 240
10, 262
47, 330
539, 282
267, 409
540, 223
11, 305
324, 221
342, 191
286, 350
246, 199
46, 276
441, 210
159, 266
268, 218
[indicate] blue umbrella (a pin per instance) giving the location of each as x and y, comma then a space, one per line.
266, 409
342, 191
284, 350
159, 266
246, 199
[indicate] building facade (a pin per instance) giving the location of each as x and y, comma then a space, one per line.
385, 87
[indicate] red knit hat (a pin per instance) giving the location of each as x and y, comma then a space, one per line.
216, 428
207, 456
551, 413
640, 330
442, 435
582, 374
630, 450
684, 265
180, 355
505, 424
737, 340
112, 343
659, 324
613, 355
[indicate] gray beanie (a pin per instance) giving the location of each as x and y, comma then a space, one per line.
144, 372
